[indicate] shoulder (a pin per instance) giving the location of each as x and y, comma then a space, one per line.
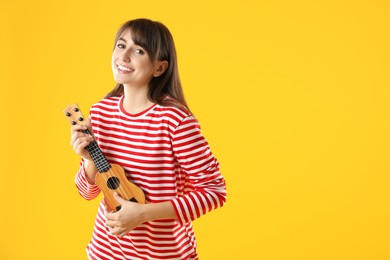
170, 107
178, 119
106, 104
174, 112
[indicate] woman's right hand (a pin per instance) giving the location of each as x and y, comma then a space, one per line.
80, 140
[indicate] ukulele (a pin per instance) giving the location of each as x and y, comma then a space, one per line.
110, 177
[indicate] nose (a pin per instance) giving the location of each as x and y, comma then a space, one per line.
125, 56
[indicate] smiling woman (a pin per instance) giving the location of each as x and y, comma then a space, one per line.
145, 126
131, 64
293, 98
158, 54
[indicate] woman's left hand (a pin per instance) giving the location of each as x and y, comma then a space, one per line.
126, 219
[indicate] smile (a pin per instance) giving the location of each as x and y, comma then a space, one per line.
123, 68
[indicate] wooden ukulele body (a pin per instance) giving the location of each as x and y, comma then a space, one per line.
115, 180
111, 177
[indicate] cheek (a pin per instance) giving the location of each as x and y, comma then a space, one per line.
113, 64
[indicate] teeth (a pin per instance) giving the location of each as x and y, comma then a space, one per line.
123, 68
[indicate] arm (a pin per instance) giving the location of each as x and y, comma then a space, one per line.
86, 187
85, 178
133, 214
202, 168
208, 186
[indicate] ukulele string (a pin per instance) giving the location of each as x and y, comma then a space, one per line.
122, 192
110, 171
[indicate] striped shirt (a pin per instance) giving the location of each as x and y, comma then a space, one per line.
164, 153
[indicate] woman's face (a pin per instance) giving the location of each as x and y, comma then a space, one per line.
131, 64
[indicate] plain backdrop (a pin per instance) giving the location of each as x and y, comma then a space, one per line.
293, 97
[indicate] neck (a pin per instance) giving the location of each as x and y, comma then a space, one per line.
97, 155
136, 99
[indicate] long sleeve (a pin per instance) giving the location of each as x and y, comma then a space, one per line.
163, 152
86, 190
207, 188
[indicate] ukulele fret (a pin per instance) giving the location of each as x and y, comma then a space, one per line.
97, 156
112, 177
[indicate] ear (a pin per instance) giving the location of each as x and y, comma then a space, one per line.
160, 67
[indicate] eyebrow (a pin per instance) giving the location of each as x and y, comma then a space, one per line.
121, 39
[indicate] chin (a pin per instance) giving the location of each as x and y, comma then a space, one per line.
120, 81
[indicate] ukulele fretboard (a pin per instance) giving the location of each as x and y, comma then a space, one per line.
97, 156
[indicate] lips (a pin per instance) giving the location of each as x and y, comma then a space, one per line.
123, 69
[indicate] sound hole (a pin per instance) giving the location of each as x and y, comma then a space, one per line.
113, 183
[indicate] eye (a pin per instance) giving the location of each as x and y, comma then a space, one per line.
120, 45
139, 51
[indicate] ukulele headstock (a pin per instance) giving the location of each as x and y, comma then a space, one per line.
73, 113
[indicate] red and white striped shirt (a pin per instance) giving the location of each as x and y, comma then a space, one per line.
164, 153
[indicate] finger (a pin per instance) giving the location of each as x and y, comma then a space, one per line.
88, 124
81, 143
123, 234
111, 223
112, 230
119, 198
116, 230
79, 148
76, 135
111, 217
77, 128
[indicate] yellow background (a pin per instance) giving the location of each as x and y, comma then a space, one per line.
293, 97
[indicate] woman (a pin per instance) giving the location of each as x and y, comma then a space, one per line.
145, 125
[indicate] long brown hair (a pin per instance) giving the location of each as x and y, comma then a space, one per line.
157, 40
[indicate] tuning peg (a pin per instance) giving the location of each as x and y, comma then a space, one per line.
67, 114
